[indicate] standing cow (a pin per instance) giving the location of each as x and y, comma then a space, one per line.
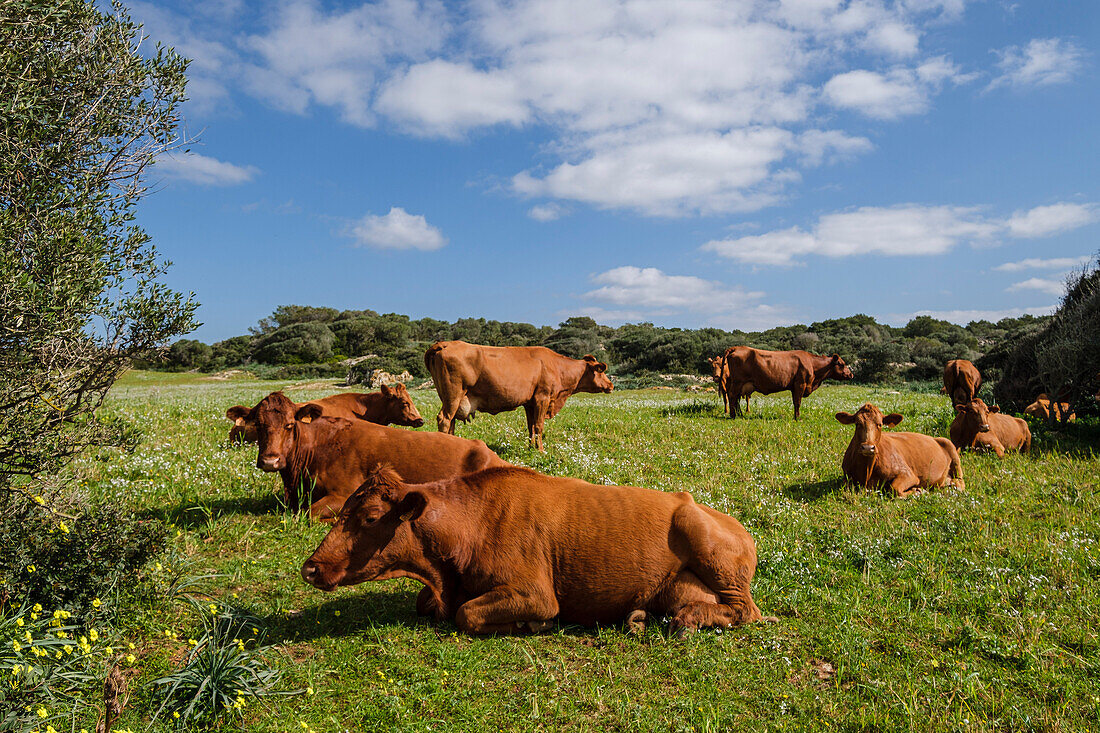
718, 370
756, 370
471, 378
510, 550
331, 456
388, 406
961, 381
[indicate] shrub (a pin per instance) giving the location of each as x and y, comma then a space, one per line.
298, 343
68, 562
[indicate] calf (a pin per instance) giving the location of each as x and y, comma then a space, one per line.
332, 456
392, 405
508, 550
905, 461
978, 426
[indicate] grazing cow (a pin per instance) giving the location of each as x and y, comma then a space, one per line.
392, 405
471, 378
332, 455
961, 381
509, 550
1042, 407
905, 461
978, 426
756, 370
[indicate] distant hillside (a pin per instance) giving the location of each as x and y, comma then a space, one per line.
306, 341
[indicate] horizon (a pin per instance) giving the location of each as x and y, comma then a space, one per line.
737, 165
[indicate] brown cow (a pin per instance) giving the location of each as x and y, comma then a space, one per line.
471, 378
332, 455
905, 461
756, 370
719, 371
961, 381
981, 427
509, 550
392, 405
1042, 406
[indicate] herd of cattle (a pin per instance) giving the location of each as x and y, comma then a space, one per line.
503, 549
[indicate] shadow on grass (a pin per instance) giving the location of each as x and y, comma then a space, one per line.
193, 515
696, 408
813, 490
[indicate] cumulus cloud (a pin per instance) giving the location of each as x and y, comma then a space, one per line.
1043, 62
1043, 221
1043, 285
910, 229
397, 230
1032, 263
546, 212
901, 230
896, 93
204, 170
650, 288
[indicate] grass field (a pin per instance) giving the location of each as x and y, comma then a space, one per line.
971, 610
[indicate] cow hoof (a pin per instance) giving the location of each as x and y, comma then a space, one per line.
635, 622
769, 620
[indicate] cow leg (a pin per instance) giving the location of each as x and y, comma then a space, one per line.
796, 398
507, 610
747, 402
904, 484
327, 508
445, 420
536, 409
733, 393
723, 563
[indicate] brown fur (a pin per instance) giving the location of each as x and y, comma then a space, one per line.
719, 370
981, 427
904, 461
961, 381
391, 405
333, 455
1042, 406
471, 378
756, 370
509, 550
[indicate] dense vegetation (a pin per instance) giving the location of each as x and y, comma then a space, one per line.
304, 341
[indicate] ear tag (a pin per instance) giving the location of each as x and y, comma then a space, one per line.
307, 419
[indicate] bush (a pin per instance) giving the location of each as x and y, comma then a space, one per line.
877, 362
188, 354
298, 343
69, 562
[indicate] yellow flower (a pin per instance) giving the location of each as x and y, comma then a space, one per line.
159, 567
17, 669
337, 612
93, 634
213, 608
62, 635
19, 621
130, 644
97, 603
192, 642
130, 658
30, 568
176, 715
39, 501
41, 712
64, 529
309, 690
37, 608
17, 646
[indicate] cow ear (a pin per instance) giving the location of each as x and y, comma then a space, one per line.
386, 390
994, 408
590, 359
308, 412
960, 409
237, 413
411, 506
836, 357
891, 420
845, 418
599, 366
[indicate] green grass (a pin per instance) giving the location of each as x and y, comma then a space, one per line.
972, 610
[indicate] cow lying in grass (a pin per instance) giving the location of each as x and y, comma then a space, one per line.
509, 550
980, 427
905, 461
1043, 405
389, 406
330, 456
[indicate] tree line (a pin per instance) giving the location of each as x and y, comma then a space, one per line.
299, 340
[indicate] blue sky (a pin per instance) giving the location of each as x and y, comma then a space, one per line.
739, 164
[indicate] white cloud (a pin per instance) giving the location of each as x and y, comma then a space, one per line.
546, 212
909, 229
1043, 62
1043, 285
204, 170
650, 288
1043, 221
963, 317
901, 230
397, 230
896, 93
1055, 263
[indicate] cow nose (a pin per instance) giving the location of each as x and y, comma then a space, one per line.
867, 449
310, 571
984, 428
418, 423
268, 463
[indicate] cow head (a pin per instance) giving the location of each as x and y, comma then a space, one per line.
869, 422
595, 377
277, 422
242, 430
400, 409
716, 366
371, 537
838, 369
975, 416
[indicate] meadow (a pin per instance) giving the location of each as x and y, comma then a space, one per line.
953, 610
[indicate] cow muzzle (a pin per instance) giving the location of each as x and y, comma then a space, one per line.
269, 463
312, 574
867, 449
418, 422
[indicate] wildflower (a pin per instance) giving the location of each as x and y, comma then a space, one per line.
108, 651
255, 631
17, 669
192, 642
309, 690
213, 608
17, 646
39, 500
30, 568
41, 712
130, 658
176, 714
337, 612
19, 621
96, 603
64, 529
62, 635
130, 644
159, 567
93, 634
37, 608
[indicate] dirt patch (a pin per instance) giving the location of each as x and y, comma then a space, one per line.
222, 376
